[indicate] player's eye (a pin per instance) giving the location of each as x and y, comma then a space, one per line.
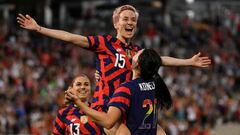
134, 19
125, 19
78, 84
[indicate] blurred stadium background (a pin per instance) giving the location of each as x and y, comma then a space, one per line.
35, 70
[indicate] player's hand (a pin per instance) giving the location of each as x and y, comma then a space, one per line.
67, 101
199, 61
70, 96
97, 76
27, 22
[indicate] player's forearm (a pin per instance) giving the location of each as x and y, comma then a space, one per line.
170, 61
58, 34
63, 35
100, 118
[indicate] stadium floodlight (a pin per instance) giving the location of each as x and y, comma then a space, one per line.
189, 1
190, 13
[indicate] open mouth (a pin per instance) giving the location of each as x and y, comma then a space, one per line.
129, 29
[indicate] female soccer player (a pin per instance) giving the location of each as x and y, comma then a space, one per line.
70, 120
136, 101
113, 53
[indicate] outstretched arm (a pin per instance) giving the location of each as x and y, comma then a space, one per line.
27, 22
106, 120
196, 61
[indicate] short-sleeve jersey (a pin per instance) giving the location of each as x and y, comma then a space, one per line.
137, 102
72, 121
113, 63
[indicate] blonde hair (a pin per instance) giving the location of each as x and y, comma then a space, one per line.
118, 11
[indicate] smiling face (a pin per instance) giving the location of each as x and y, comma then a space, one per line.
81, 87
126, 25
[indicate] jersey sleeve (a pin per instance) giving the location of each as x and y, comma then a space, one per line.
97, 43
121, 99
59, 126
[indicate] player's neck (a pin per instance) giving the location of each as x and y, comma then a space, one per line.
85, 101
136, 74
123, 40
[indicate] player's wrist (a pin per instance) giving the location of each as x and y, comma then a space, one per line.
38, 29
190, 62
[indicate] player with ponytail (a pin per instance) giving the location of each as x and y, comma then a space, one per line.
135, 103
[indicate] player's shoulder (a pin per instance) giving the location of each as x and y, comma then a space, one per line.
105, 36
110, 38
128, 84
135, 47
63, 109
133, 83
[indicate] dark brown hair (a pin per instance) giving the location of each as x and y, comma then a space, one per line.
149, 63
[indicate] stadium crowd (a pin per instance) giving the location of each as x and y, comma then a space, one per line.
35, 71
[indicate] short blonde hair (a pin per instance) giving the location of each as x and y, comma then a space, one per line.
118, 11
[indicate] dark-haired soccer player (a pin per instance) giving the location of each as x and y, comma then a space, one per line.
135, 101
70, 120
113, 53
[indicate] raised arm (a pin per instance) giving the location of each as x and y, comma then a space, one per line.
27, 22
106, 120
196, 61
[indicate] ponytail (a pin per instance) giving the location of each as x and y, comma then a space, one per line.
162, 92
149, 63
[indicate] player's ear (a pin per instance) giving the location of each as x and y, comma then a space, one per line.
115, 26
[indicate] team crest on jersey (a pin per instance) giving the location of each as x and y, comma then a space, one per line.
84, 119
73, 120
129, 54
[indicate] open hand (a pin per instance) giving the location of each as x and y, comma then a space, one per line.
70, 96
199, 61
27, 22
67, 100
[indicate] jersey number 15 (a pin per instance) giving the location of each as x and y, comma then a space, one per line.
120, 60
